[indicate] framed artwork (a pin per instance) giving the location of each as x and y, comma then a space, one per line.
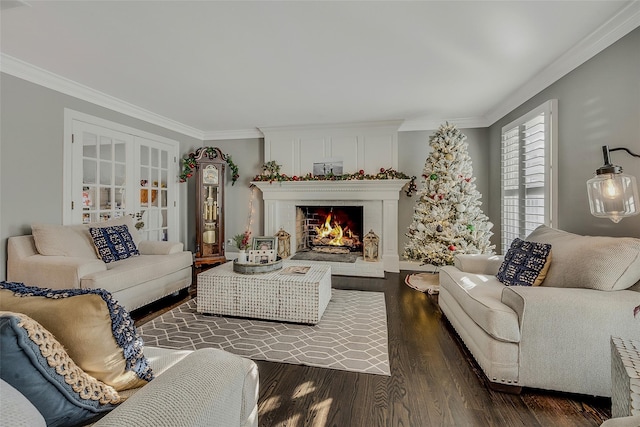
328, 167
264, 243
262, 256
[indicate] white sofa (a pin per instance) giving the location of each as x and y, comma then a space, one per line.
62, 257
206, 387
554, 336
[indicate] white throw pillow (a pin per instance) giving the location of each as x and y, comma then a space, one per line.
63, 240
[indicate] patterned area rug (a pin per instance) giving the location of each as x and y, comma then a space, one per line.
424, 282
351, 336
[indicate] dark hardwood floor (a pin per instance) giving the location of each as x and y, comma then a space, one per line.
433, 382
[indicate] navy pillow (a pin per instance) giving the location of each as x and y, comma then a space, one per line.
113, 243
37, 365
525, 263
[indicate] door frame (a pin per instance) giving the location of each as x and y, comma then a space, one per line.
67, 174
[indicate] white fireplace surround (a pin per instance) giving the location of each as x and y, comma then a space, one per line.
379, 199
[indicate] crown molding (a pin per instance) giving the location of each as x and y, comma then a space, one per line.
348, 127
216, 135
429, 123
11, 4
625, 21
39, 76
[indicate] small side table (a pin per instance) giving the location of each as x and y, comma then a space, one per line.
625, 377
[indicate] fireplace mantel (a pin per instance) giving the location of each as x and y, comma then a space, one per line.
369, 189
378, 197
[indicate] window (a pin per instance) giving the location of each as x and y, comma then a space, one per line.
529, 178
112, 170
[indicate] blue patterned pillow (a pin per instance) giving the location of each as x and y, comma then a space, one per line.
37, 365
113, 243
525, 263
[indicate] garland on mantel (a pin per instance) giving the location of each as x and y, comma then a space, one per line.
189, 162
271, 173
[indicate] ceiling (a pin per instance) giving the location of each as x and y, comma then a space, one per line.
213, 69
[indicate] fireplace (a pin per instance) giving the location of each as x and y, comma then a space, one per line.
329, 229
378, 200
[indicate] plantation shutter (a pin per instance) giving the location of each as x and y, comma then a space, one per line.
528, 182
510, 186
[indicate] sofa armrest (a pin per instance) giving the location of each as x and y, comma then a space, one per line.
478, 263
566, 332
150, 247
631, 421
576, 307
55, 272
16, 410
207, 387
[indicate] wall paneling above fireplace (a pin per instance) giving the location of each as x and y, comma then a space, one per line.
360, 146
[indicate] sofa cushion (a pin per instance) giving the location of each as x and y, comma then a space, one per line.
113, 243
35, 364
525, 263
63, 240
479, 296
594, 262
133, 271
96, 331
75, 240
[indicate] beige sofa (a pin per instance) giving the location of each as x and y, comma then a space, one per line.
554, 336
205, 387
62, 257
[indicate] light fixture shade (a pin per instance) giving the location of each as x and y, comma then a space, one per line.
613, 196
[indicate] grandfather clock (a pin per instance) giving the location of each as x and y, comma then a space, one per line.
209, 177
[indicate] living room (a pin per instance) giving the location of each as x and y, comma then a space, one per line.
594, 80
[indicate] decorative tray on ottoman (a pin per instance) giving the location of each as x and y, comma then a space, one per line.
252, 268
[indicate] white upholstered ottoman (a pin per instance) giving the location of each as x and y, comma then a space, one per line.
299, 298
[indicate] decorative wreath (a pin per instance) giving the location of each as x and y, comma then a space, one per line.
189, 162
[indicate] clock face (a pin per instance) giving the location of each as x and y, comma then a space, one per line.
210, 175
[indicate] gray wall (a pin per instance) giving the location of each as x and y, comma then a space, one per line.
31, 159
413, 150
599, 104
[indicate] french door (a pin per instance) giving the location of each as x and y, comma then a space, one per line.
117, 171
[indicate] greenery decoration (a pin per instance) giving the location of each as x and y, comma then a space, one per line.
189, 162
271, 168
271, 173
243, 241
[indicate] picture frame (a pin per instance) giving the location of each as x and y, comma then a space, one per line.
264, 243
329, 167
262, 256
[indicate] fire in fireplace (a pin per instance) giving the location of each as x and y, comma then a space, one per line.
330, 229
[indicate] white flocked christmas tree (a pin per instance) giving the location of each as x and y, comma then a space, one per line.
447, 218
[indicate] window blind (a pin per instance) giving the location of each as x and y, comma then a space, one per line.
526, 162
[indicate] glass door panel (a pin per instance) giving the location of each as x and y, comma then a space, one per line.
101, 180
155, 188
114, 173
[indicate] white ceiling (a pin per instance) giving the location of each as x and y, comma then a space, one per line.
211, 68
